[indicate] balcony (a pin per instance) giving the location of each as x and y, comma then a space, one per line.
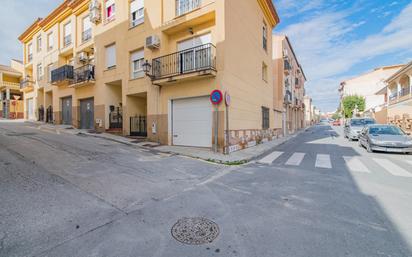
287, 66
83, 76
62, 75
26, 85
186, 6
288, 97
9, 85
191, 63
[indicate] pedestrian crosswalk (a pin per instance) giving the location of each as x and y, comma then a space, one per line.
295, 159
357, 164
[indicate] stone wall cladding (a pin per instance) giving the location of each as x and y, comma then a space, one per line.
242, 139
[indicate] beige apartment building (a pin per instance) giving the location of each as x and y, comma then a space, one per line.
11, 99
289, 87
147, 68
309, 116
367, 85
398, 95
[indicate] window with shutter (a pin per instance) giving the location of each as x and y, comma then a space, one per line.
265, 118
50, 41
111, 56
110, 10
137, 60
67, 34
136, 12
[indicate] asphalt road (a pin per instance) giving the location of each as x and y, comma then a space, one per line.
317, 195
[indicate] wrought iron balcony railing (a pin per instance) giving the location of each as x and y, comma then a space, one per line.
404, 91
191, 60
26, 83
83, 74
63, 73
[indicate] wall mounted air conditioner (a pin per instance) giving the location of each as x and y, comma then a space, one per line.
153, 42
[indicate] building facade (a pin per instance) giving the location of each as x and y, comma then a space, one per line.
367, 85
147, 68
309, 117
11, 99
399, 98
289, 86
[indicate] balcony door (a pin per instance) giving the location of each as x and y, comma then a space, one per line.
194, 52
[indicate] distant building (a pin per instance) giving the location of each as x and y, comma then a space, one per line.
368, 84
11, 104
398, 99
289, 86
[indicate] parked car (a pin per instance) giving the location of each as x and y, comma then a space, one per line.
385, 138
324, 122
354, 126
336, 123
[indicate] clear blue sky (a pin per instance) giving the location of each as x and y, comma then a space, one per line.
334, 39
339, 39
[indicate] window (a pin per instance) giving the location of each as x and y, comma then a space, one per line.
50, 41
87, 29
111, 56
49, 71
38, 43
265, 118
136, 12
265, 36
110, 10
185, 6
137, 60
67, 34
39, 72
265, 72
30, 52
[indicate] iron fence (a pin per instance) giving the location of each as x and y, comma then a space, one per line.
138, 126
65, 72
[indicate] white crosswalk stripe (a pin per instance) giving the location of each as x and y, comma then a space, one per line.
354, 164
295, 159
392, 168
270, 158
323, 161
410, 162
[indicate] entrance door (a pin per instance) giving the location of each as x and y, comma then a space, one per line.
30, 109
67, 111
192, 122
87, 114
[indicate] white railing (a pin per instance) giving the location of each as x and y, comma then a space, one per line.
185, 6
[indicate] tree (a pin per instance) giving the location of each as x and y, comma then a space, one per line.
336, 116
350, 103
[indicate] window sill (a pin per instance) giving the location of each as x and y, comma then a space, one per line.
137, 78
110, 68
109, 20
134, 26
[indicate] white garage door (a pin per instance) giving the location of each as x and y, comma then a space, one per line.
192, 122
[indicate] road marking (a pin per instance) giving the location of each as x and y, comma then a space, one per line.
295, 159
410, 162
270, 158
354, 164
392, 168
323, 161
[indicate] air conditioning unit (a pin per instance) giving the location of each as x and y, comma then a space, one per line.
153, 42
83, 57
95, 11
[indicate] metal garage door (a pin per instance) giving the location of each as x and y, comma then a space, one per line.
87, 114
30, 109
67, 110
192, 122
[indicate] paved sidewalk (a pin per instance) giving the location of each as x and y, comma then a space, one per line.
235, 158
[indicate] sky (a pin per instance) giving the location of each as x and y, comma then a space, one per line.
333, 39
339, 39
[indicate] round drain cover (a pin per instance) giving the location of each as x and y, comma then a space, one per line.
195, 231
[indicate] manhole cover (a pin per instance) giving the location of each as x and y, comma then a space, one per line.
195, 231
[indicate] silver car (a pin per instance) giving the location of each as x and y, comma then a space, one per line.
354, 126
385, 138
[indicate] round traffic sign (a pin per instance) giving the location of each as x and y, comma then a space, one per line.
216, 97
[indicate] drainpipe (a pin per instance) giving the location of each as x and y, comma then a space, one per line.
398, 89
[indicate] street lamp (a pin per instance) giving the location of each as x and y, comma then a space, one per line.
147, 67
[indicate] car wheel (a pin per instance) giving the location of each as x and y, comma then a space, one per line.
368, 148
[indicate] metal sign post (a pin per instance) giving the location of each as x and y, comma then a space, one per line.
216, 98
227, 103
